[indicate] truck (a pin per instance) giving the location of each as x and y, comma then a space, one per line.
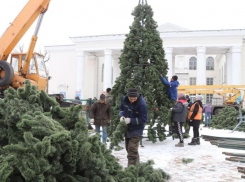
230, 94
28, 65
24, 64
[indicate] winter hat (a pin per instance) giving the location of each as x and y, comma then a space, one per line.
199, 97
102, 97
132, 92
108, 90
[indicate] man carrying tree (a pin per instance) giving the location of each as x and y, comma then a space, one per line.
172, 93
133, 112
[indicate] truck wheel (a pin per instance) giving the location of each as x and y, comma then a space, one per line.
6, 73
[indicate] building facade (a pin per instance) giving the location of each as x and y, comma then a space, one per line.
91, 64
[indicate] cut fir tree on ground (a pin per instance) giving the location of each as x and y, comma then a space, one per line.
42, 142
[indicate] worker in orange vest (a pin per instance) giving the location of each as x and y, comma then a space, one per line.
195, 117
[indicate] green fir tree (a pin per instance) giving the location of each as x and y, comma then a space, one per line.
141, 62
227, 118
42, 142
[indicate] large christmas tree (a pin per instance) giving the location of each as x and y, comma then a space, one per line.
141, 62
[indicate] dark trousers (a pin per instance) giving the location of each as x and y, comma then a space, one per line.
195, 124
132, 146
178, 130
196, 132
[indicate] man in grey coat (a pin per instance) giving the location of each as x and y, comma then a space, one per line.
179, 114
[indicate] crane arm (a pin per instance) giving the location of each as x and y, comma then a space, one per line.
20, 25
221, 90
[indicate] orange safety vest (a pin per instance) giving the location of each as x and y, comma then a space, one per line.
199, 113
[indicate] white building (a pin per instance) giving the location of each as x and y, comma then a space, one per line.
90, 64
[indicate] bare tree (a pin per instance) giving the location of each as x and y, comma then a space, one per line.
19, 48
45, 59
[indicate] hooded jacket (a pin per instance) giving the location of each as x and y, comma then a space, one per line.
179, 111
137, 112
172, 88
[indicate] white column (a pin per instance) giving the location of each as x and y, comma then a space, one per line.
116, 69
201, 65
169, 57
173, 61
80, 72
228, 68
236, 65
107, 69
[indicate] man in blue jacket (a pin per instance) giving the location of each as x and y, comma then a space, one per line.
172, 93
171, 87
133, 111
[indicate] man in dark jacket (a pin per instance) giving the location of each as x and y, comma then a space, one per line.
172, 93
179, 114
100, 115
133, 111
195, 117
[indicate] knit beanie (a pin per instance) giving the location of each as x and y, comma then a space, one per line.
199, 97
132, 92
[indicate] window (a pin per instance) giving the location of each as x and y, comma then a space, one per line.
209, 98
210, 63
210, 81
192, 81
193, 63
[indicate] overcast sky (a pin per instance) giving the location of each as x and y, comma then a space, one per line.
68, 18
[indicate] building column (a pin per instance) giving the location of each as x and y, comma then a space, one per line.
107, 69
228, 69
201, 65
116, 69
80, 73
173, 65
169, 57
236, 65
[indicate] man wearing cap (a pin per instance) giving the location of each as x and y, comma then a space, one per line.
195, 117
133, 111
100, 115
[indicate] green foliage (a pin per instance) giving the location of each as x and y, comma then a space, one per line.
141, 62
227, 118
187, 160
118, 135
185, 135
42, 142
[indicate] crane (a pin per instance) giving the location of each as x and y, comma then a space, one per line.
230, 92
15, 77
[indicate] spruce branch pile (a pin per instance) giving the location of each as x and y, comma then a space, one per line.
141, 62
227, 118
41, 142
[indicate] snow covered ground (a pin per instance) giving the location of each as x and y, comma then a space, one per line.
209, 163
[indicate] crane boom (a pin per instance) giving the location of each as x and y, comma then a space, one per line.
20, 25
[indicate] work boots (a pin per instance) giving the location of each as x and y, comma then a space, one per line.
193, 141
179, 145
198, 141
